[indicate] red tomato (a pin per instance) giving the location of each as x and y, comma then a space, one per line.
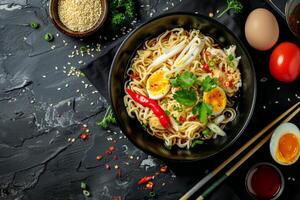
285, 62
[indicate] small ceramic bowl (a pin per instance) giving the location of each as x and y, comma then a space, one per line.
53, 11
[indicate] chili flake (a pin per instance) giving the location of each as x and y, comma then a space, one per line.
84, 136
163, 169
145, 179
111, 148
99, 157
149, 185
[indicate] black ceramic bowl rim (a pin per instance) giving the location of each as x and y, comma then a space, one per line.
252, 106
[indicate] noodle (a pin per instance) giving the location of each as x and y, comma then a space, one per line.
168, 51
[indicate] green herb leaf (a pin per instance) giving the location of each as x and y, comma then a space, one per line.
185, 80
107, 119
209, 83
118, 19
203, 110
196, 142
234, 5
186, 97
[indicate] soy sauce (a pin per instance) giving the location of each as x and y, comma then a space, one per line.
264, 182
294, 20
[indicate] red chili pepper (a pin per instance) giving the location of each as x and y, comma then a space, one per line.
149, 185
206, 68
153, 105
145, 180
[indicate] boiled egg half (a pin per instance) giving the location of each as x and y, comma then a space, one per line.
285, 144
158, 85
216, 98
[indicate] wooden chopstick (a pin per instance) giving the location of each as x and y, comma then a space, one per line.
237, 153
241, 161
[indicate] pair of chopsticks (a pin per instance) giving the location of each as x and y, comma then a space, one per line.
220, 180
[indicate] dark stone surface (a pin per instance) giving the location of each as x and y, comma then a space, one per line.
42, 108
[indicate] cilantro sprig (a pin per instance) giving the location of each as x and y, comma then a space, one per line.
186, 97
234, 5
185, 80
209, 83
203, 110
107, 119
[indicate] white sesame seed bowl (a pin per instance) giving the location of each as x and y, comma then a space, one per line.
77, 18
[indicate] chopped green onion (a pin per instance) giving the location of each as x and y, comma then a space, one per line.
151, 194
144, 126
167, 112
211, 63
83, 48
206, 132
231, 64
48, 37
230, 57
34, 25
86, 193
197, 142
83, 185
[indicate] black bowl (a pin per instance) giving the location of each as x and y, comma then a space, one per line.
132, 128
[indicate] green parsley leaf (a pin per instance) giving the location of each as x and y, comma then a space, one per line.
185, 80
196, 142
203, 110
186, 97
209, 83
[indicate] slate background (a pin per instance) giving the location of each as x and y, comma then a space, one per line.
36, 119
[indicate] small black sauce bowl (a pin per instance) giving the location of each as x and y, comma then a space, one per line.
271, 165
132, 128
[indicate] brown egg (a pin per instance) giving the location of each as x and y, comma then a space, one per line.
261, 29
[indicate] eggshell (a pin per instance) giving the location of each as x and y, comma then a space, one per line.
261, 29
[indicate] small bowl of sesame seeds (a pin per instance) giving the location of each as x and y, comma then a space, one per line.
78, 18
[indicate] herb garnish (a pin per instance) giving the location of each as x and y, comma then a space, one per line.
209, 83
196, 142
107, 119
234, 5
185, 80
186, 97
120, 9
202, 110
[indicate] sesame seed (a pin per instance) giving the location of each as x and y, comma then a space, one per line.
44, 76
58, 89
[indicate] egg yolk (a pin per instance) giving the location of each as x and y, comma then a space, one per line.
216, 98
157, 85
288, 148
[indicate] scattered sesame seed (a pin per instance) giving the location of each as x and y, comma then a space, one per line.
92, 103
210, 14
73, 140
57, 34
264, 107
77, 91
67, 85
44, 76
53, 47
116, 167
69, 139
289, 99
131, 157
276, 102
32, 101
58, 89
278, 88
69, 103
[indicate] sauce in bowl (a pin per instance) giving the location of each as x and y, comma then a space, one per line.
264, 181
